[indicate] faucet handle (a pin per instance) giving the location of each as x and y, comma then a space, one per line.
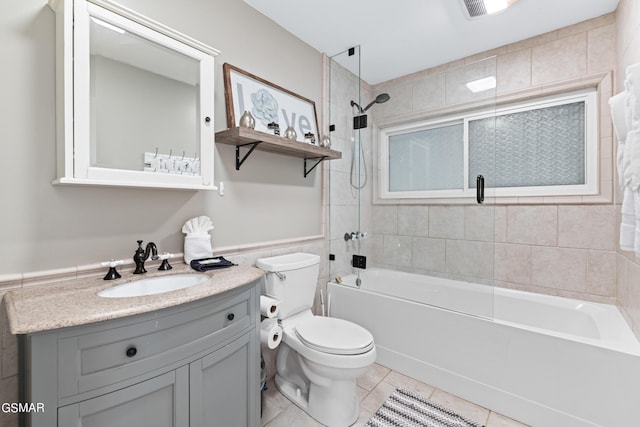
112, 273
112, 263
165, 261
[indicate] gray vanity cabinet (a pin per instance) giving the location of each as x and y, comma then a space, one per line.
191, 365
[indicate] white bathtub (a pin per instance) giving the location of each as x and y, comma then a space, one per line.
545, 361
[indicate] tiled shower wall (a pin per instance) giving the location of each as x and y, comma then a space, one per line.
565, 250
628, 265
553, 245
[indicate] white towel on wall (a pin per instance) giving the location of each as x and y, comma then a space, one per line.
626, 161
632, 85
631, 161
618, 106
625, 115
636, 241
628, 223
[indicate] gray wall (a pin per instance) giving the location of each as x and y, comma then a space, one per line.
46, 227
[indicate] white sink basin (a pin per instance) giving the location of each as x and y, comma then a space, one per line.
154, 285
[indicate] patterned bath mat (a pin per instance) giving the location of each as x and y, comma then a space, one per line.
406, 409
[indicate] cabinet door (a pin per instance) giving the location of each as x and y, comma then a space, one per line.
158, 402
224, 386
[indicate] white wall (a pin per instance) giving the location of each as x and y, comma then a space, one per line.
47, 227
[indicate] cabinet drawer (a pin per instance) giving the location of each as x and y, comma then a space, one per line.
111, 352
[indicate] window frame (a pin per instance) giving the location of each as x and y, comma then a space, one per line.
589, 96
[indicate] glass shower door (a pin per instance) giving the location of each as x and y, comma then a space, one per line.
349, 179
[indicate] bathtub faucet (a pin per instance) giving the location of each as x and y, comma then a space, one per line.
354, 236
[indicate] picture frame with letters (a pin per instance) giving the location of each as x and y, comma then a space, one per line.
267, 103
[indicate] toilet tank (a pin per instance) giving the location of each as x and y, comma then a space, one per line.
293, 279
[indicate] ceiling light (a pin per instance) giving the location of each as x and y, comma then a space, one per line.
477, 8
107, 25
493, 6
481, 85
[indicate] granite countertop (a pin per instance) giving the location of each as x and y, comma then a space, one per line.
75, 302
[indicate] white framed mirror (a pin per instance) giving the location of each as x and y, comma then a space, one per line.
135, 100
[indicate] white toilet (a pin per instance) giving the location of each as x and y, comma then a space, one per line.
319, 358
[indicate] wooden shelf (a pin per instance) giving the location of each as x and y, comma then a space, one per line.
254, 140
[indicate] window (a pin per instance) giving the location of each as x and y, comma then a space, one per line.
545, 147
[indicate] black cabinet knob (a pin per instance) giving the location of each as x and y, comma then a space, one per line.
231, 316
132, 351
207, 119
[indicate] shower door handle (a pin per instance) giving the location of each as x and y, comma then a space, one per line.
480, 189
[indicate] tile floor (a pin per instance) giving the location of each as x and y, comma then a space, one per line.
373, 388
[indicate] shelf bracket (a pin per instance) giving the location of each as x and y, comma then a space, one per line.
319, 160
239, 161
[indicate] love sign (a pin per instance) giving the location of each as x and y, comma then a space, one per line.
268, 103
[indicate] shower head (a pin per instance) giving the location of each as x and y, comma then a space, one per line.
383, 97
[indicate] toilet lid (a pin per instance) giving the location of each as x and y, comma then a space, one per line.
334, 336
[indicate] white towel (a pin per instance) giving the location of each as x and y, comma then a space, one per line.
628, 223
618, 106
620, 163
636, 242
631, 161
632, 85
197, 242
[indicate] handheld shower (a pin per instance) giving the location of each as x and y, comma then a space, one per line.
383, 97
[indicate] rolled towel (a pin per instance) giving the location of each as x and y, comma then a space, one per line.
628, 223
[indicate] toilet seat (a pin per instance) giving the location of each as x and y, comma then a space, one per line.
334, 336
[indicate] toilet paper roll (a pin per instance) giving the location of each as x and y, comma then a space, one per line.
269, 306
270, 333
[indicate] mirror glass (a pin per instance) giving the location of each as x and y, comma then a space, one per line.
144, 98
